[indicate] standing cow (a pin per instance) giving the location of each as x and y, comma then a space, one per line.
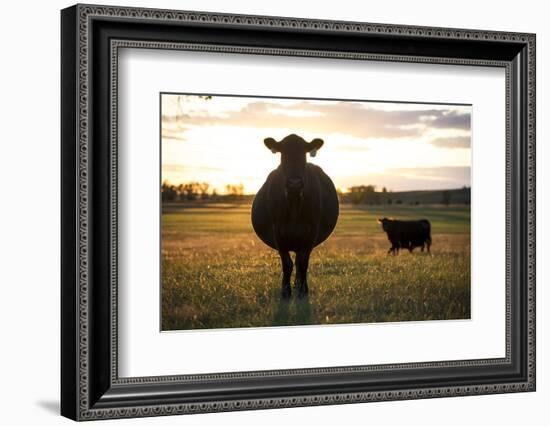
407, 234
296, 209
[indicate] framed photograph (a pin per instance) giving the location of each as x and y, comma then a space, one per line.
263, 212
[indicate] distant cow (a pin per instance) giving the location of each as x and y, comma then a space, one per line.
407, 234
296, 209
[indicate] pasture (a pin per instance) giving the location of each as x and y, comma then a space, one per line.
216, 273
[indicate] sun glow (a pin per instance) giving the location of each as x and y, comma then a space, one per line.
219, 140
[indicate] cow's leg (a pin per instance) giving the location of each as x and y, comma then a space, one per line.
428, 244
302, 262
286, 263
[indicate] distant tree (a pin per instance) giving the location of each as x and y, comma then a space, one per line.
190, 191
235, 191
180, 192
399, 202
168, 192
384, 190
364, 194
203, 189
362, 188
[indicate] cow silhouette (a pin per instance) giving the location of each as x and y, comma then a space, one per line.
407, 234
296, 209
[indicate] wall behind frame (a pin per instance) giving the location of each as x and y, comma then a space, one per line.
29, 225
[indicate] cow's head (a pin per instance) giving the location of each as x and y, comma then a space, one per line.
385, 222
293, 151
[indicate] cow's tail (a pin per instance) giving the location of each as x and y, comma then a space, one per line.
429, 234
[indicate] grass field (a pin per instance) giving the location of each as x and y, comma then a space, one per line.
216, 273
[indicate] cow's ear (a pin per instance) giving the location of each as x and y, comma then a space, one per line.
314, 145
379, 220
272, 144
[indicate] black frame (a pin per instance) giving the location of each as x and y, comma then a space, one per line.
91, 37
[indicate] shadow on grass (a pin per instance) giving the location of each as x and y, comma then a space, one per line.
303, 311
296, 312
281, 313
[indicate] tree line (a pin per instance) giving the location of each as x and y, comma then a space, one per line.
356, 195
195, 191
367, 194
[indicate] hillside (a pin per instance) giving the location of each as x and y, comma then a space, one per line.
441, 196
454, 196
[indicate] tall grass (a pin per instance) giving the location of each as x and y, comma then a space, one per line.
216, 273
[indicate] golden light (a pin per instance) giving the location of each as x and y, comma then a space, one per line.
220, 141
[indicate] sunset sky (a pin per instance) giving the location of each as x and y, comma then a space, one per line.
397, 145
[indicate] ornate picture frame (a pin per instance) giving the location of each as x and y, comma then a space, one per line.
91, 37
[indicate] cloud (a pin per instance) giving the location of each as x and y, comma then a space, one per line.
359, 120
413, 178
443, 173
353, 147
452, 142
178, 134
451, 120
177, 168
